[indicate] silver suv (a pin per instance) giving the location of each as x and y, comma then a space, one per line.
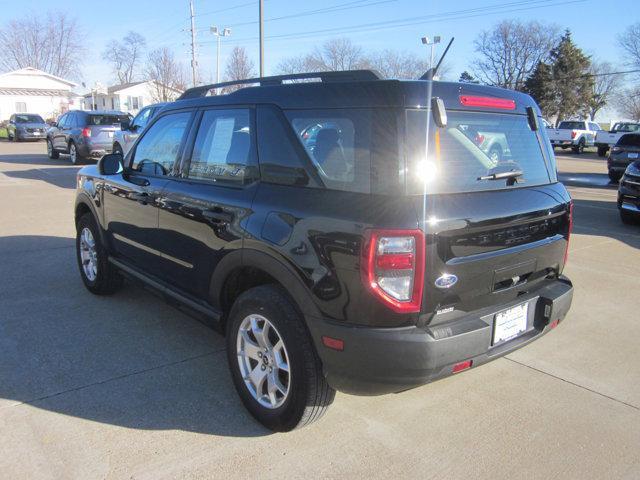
124, 139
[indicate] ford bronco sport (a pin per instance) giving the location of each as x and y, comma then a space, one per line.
343, 232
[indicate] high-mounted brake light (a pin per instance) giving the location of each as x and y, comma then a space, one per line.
488, 102
86, 132
393, 268
566, 251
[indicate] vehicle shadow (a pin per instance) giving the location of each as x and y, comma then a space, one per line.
587, 180
63, 177
33, 159
128, 359
602, 218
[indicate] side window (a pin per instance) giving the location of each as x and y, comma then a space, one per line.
158, 149
62, 121
282, 159
224, 150
72, 120
142, 118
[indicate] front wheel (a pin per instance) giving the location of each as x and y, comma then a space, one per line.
579, 148
274, 365
614, 176
98, 275
602, 151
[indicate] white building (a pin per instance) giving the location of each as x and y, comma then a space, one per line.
128, 97
33, 91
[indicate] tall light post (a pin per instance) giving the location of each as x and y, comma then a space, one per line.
432, 43
261, 20
226, 32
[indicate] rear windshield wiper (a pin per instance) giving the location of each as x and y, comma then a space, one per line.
502, 175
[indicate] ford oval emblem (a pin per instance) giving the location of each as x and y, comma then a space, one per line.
446, 281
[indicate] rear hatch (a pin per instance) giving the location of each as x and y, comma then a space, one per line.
488, 200
626, 150
103, 127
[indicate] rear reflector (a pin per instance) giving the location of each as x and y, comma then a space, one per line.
458, 367
488, 102
553, 324
86, 132
569, 230
333, 343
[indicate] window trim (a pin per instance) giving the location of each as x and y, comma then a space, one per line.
182, 173
128, 161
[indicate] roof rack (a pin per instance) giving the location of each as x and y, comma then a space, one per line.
325, 77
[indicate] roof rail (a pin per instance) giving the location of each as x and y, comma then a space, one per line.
325, 77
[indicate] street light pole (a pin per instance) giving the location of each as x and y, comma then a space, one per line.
193, 44
224, 33
427, 41
261, 38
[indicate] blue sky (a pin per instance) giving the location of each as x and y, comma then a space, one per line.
373, 24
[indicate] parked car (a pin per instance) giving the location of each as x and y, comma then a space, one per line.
574, 134
26, 126
329, 269
124, 138
84, 134
625, 151
629, 194
605, 140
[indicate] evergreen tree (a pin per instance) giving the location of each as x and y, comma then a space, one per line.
466, 77
572, 84
540, 86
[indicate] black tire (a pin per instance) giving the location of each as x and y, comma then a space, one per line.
579, 148
108, 280
628, 218
118, 149
51, 152
309, 394
602, 151
614, 176
495, 153
76, 158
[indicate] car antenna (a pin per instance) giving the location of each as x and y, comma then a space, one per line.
431, 73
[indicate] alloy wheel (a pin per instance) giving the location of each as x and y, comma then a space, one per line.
73, 153
88, 254
263, 361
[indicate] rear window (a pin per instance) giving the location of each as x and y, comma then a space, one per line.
107, 119
571, 126
472, 147
626, 127
29, 119
629, 140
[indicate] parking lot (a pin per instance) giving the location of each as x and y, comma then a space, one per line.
127, 386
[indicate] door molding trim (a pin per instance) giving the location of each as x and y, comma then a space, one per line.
153, 251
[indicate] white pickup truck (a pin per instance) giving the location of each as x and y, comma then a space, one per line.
576, 134
605, 140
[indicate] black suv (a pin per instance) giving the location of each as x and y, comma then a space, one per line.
346, 233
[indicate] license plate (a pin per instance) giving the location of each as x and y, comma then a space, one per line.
633, 155
510, 323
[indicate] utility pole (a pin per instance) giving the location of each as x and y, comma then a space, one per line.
261, 38
194, 64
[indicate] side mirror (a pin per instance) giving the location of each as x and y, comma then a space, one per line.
125, 125
111, 164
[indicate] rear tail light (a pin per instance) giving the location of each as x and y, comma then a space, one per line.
566, 252
488, 102
573, 134
393, 268
479, 139
616, 149
459, 367
86, 132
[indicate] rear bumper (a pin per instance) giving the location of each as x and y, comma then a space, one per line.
629, 196
94, 150
562, 143
30, 136
386, 360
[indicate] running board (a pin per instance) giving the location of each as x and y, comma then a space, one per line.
200, 307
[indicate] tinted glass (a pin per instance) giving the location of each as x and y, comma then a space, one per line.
142, 118
158, 149
629, 140
223, 148
626, 127
571, 125
106, 119
62, 121
28, 119
472, 147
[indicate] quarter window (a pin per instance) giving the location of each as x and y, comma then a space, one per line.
158, 149
223, 150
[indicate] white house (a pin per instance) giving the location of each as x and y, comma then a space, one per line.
34, 91
128, 97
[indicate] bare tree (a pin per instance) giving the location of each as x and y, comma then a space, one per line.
605, 85
335, 55
239, 67
510, 52
628, 103
52, 42
125, 56
392, 64
166, 73
629, 41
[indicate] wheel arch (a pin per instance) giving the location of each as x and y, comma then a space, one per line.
85, 205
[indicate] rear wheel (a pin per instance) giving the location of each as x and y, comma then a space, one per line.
75, 157
273, 362
614, 176
580, 147
98, 275
51, 152
602, 151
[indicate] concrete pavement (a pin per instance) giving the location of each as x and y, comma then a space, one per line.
128, 387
